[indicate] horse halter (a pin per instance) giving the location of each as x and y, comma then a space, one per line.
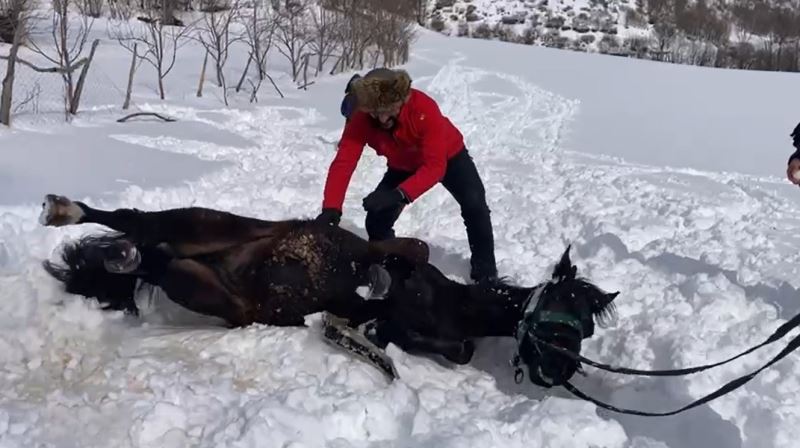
529, 327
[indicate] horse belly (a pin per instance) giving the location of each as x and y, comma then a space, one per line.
294, 276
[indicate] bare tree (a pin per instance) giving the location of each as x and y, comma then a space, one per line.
324, 40
396, 36
744, 18
17, 14
703, 23
159, 42
373, 29
260, 25
135, 62
164, 10
214, 33
660, 10
783, 32
293, 34
92, 8
120, 9
665, 33
421, 10
357, 33
745, 55
70, 33
31, 99
202, 76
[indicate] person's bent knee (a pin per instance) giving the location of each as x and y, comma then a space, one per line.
474, 204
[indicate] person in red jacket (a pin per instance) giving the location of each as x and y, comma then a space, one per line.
422, 148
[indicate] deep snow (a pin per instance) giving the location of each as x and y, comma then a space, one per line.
676, 198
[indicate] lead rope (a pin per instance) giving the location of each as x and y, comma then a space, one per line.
519, 374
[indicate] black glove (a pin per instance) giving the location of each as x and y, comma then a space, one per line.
382, 199
329, 216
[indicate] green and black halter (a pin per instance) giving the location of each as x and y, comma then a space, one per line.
533, 316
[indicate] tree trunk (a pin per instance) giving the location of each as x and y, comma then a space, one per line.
202, 76
224, 90
244, 73
305, 70
274, 85
76, 95
127, 103
8, 81
161, 76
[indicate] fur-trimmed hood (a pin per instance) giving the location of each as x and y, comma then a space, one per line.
381, 88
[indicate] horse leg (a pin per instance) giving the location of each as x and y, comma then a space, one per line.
194, 286
189, 231
458, 352
357, 311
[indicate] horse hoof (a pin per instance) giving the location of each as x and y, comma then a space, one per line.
463, 355
379, 282
122, 257
59, 211
371, 331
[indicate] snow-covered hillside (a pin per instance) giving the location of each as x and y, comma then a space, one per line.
572, 17
752, 34
673, 195
514, 12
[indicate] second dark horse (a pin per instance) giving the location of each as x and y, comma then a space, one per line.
246, 270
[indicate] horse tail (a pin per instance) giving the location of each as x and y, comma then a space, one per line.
83, 273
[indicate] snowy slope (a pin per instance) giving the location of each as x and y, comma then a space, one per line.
568, 18
698, 237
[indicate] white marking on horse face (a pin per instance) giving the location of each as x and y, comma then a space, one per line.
75, 213
52, 207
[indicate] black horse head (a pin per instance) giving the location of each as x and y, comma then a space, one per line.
560, 313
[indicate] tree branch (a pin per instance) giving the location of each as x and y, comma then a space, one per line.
149, 114
61, 70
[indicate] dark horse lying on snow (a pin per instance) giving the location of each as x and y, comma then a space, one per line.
247, 270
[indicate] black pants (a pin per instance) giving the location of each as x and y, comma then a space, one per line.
464, 183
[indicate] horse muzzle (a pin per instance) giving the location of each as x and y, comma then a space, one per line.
547, 366
552, 369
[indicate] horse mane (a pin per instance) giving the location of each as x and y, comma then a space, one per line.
602, 303
502, 286
502, 282
81, 274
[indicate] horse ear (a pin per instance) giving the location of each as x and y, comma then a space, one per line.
605, 301
564, 270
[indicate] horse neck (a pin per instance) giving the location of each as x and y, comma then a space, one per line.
497, 310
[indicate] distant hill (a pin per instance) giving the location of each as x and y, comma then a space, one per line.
744, 34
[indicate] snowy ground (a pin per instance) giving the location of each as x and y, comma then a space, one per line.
677, 201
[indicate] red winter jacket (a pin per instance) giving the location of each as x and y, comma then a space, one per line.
422, 142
